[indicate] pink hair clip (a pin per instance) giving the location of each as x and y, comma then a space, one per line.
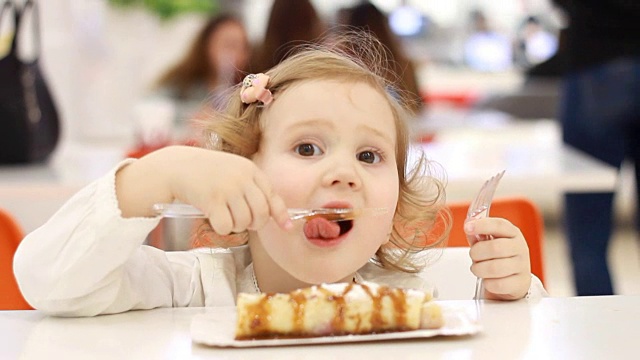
254, 89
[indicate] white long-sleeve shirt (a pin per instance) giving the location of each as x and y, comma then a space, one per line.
89, 260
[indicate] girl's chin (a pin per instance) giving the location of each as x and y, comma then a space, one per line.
322, 277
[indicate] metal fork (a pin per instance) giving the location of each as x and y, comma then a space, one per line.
479, 209
177, 210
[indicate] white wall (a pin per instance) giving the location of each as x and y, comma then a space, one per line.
99, 61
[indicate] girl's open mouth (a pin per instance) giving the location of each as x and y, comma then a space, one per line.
345, 226
326, 233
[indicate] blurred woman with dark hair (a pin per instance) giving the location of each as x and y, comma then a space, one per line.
402, 71
216, 60
291, 22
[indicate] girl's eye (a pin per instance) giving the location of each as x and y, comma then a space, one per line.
308, 150
369, 157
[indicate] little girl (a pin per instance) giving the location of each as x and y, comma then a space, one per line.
319, 130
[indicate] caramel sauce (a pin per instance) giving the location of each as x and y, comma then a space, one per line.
399, 298
332, 217
341, 306
298, 300
260, 314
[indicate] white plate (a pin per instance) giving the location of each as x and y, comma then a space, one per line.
216, 328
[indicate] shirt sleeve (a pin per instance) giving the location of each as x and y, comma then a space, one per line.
88, 260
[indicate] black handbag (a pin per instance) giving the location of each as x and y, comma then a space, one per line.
29, 123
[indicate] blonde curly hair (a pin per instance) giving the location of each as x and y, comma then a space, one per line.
421, 220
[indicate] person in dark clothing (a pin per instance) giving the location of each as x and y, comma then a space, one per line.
600, 115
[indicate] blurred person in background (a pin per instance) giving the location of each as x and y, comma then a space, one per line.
216, 60
402, 73
539, 95
600, 115
486, 49
291, 22
535, 43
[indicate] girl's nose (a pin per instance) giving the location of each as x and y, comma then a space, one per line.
344, 173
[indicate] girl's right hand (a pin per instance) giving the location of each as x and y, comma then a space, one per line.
230, 189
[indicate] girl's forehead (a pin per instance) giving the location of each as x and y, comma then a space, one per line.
338, 82
336, 91
333, 100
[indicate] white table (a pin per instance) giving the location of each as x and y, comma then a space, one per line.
537, 164
553, 328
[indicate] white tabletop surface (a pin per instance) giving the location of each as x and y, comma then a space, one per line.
552, 328
537, 164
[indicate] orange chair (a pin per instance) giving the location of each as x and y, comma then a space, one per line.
521, 212
10, 236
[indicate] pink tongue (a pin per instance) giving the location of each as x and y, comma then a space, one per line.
320, 228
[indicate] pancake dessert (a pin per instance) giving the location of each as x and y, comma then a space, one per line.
333, 310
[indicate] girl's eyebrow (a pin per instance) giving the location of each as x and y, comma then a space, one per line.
377, 133
327, 124
306, 123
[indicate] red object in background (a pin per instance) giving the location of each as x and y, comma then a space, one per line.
10, 236
425, 138
461, 99
143, 149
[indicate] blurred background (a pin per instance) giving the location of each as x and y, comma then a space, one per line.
102, 56
481, 66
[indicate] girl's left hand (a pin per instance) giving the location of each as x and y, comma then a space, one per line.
502, 262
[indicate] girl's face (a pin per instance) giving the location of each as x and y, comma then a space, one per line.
328, 144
